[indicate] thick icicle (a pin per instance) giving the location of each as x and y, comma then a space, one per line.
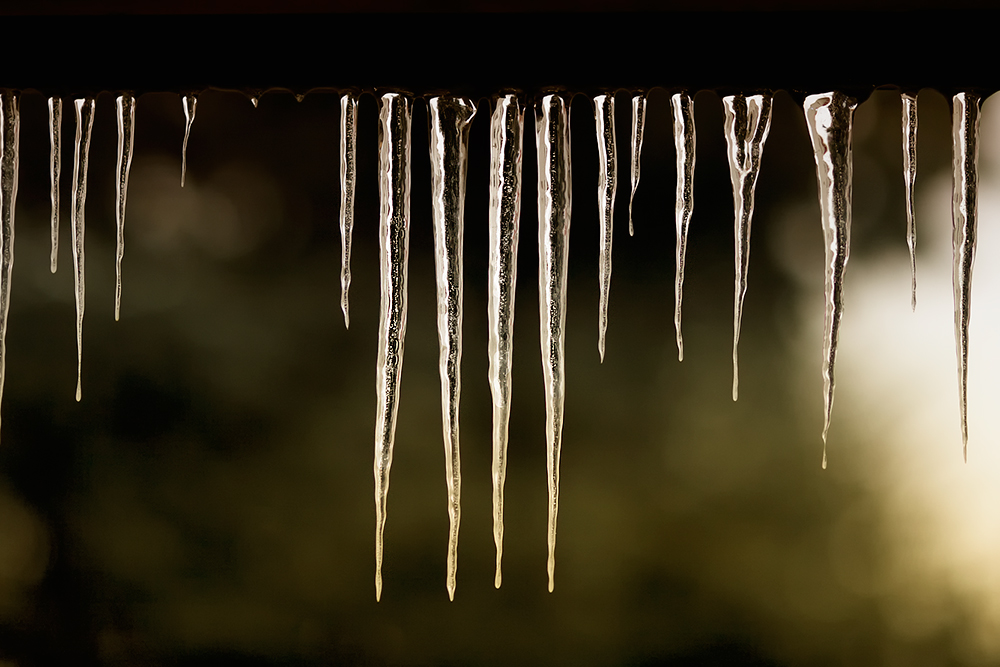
55, 169
395, 116
909, 176
190, 107
506, 144
348, 152
10, 127
126, 129
748, 121
607, 186
965, 109
555, 185
684, 144
638, 123
450, 119
830, 118
81, 154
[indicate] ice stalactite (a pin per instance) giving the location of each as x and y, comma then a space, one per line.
55, 170
555, 189
506, 145
190, 107
638, 123
450, 120
348, 155
126, 130
830, 119
10, 127
395, 119
81, 153
684, 144
748, 121
909, 177
607, 186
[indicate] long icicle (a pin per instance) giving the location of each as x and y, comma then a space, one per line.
506, 145
125, 104
965, 109
450, 120
55, 169
555, 183
684, 144
348, 154
909, 177
638, 124
190, 107
748, 121
830, 118
81, 154
607, 186
10, 127
395, 119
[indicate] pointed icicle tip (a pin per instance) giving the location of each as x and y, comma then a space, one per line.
190, 107
682, 105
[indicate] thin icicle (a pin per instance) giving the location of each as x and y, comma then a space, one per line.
555, 183
348, 153
830, 118
126, 130
10, 129
190, 107
81, 153
748, 121
909, 176
55, 169
684, 144
395, 116
965, 109
450, 120
506, 144
607, 186
638, 123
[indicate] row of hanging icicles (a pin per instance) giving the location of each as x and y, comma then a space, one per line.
829, 117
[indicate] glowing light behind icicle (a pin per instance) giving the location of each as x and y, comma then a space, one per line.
830, 119
607, 186
10, 130
450, 120
555, 189
684, 144
126, 130
348, 155
81, 154
909, 177
748, 121
55, 169
638, 124
190, 101
395, 116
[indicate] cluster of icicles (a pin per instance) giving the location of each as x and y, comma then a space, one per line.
829, 117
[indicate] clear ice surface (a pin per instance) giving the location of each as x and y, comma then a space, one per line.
55, 169
348, 155
10, 127
909, 176
126, 130
190, 107
81, 153
638, 123
684, 144
607, 186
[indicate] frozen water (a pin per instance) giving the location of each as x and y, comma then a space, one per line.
10, 127
126, 130
55, 169
190, 107
684, 144
348, 154
607, 186
909, 176
81, 154
638, 123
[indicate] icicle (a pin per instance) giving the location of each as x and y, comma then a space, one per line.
748, 121
830, 118
10, 127
348, 152
684, 144
190, 107
55, 169
909, 176
964, 197
450, 119
395, 116
555, 181
638, 123
126, 129
81, 153
607, 186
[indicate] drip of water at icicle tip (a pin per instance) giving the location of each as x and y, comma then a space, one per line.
682, 105
638, 124
909, 177
450, 120
747, 124
190, 101
348, 155
395, 119
81, 154
55, 169
125, 105
506, 145
555, 185
965, 108
10, 129
830, 119
607, 186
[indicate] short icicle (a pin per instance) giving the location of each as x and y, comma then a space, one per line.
81, 154
190, 107
607, 186
10, 128
450, 120
395, 119
909, 177
638, 123
348, 153
126, 129
830, 119
55, 170
555, 182
965, 108
684, 144
748, 121
506, 145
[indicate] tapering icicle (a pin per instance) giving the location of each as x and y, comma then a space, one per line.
506, 144
830, 118
909, 176
965, 109
55, 169
10, 130
126, 129
81, 154
190, 107
748, 121
684, 144
395, 117
450, 119
638, 123
348, 152
555, 184
607, 186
